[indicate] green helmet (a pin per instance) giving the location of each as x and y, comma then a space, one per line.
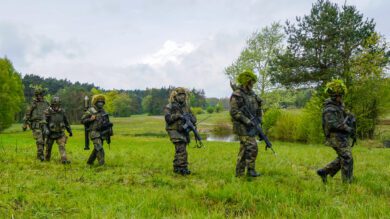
55, 101
246, 76
97, 98
38, 90
180, 90
336, 87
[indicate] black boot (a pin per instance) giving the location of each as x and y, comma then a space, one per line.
65, 161
177, 170
323, 174
252, 173
185, 171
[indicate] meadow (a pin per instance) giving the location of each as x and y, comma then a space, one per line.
138, 182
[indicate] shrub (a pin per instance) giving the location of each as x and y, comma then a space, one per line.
210, 109
197, 110
270, 117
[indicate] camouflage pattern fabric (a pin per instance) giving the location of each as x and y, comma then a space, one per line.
239, 99
95, 135
38, 136
180, 160
242, 126
61, 142
97, 152
247, 154
337, 135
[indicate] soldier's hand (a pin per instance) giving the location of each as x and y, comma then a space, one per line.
93, 117
70, 134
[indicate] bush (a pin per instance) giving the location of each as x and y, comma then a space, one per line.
270, 117
210, 109
286, 126
218, 108
310, 128
197, 110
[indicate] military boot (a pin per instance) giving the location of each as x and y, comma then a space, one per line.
177, 170
185, 171
252, 173
323, 174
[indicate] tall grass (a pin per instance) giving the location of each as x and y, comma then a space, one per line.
138, 181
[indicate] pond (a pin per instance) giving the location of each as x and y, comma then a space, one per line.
222, 138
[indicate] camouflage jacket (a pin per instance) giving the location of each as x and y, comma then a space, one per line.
240, 99
34, 116
174, 122
56, 122
333, 118
95, 126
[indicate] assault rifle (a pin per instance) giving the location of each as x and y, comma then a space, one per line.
86, 128
350, 121
256, 129
189, 126
106, 129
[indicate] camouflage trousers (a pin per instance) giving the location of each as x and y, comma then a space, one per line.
61, 141
180, 160
38, 136
344, 159
247, 154
97, 152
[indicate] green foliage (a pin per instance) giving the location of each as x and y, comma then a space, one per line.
218, 108
11, 93
310, 127
261, 48
270, 117
197, 110
72, 100
286, 126
321, 45
210, 109
121, 105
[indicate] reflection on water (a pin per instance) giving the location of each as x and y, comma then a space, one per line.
223, 138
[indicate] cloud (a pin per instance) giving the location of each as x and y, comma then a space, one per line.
171, 51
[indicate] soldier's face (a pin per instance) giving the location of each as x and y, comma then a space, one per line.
100, 104
339, 99
181, 98
39, 97
250, 84
55, 107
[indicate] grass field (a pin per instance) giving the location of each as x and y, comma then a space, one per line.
138, 180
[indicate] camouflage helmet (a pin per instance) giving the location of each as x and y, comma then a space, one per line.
55, 101
336, 87
246, 76
38, 90
98, 98
177, 91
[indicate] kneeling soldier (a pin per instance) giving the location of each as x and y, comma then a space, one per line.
99, 126
54, 124
175, 112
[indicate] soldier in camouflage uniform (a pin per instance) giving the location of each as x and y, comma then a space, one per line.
243, 96
34, 120
174, 114
55, 123
100, 128
337, 133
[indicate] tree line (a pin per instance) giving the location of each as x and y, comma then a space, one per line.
331, 41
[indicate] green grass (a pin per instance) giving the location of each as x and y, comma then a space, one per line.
138, 180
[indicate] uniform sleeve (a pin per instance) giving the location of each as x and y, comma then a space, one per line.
66, 123
334, 121
27, 116
193, 117
170, 116
235, 111
86, 118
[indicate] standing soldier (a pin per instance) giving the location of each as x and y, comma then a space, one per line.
34, 119
175, 113
337, 131
242, 98
99, 126
55, 123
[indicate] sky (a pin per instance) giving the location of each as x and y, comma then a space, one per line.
139, 44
